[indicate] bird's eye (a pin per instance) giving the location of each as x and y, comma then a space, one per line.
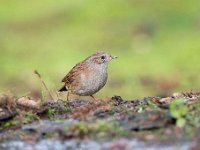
103, 57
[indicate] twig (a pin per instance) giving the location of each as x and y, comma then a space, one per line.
43, 83
57, 95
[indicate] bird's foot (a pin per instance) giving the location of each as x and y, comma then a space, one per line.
96, 101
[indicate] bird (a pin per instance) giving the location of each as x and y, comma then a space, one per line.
88, 76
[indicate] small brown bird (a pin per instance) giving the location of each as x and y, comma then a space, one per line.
89, 76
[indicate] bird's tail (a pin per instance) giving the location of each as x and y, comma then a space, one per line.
63, 89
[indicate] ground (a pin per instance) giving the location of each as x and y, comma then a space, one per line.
153, 122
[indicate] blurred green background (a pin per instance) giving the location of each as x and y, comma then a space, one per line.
157, 41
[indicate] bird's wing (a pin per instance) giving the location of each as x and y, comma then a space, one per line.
74, 74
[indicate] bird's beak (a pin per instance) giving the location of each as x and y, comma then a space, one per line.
114, 57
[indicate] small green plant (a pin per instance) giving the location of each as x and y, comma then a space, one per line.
29, 117
150, 104
51, 113
179, 111
193, 117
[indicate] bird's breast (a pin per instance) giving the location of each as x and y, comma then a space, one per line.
92, 81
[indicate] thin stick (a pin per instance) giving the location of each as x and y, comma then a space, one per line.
58, 97
43, 83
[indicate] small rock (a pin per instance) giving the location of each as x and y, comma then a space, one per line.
6, 114
166, 100
177, 95
27, 102
118, 100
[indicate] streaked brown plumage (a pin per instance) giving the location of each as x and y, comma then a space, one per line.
89, 76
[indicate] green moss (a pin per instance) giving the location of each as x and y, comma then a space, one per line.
10, 123
23, 118
99, 129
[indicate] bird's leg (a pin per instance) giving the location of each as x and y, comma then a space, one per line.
68, 93
95, 99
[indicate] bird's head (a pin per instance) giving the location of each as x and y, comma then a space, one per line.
101, 58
